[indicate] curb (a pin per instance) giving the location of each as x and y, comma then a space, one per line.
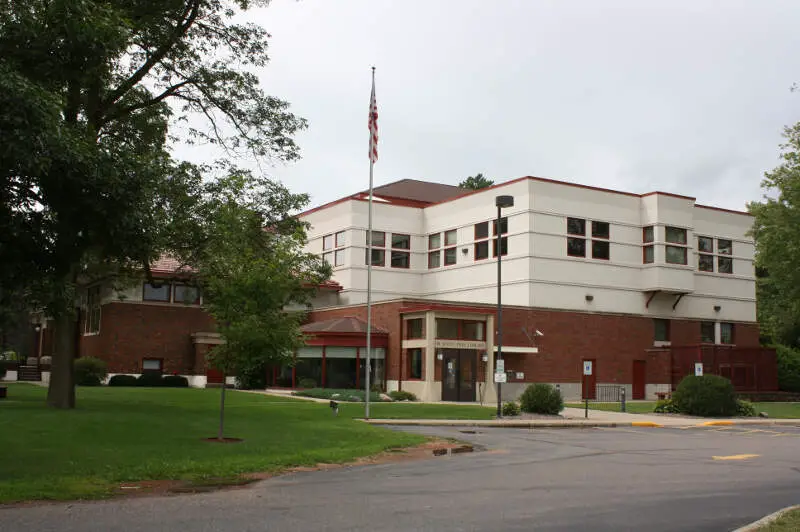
756, 525
646, 424
495, 424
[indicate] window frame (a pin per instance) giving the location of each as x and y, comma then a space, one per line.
503, 246
582, 223
481, 244
705, 256
607, 233
702, 239
685, 251
503, 226
601, 243
435, 253
713, 332
406, 255
726, 259
455, 240
328, 242
728, 249
430, 240
573, 239
153, 359
682, 230
482, 236
441, 250
732, 327
381, 249
408, 328
91, 321
175, 296
666, 330
410, 356
407, 238
336, 254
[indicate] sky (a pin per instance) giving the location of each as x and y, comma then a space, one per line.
688, 97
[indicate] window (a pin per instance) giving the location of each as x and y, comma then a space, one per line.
335, 241
648, 252
415, 363
435, 253
724, 265
600, 249
648, 255
481, 230
676, 255
726, 333
705, 244
401, 241
724, 247
647, 234
705, 263
188, 295
446, 328
414, 328
151, 364
661, 330
151, 292
600, 230
481, 250
503, 226
472, 330
576, 247
400, 259
91, 324
378, 255
676, 235
503, 246
707, 332
576, 226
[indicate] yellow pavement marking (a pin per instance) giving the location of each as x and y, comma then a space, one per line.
714, 423
736, 457
646, 424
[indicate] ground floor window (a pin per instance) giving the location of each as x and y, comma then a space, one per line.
332, 367
414, 363
308, 367
340, 367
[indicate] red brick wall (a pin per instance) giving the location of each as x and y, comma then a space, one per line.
613, 341
130, 332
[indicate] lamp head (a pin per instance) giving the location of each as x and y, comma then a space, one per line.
504, 201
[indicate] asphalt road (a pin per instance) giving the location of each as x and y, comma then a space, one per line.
551, 480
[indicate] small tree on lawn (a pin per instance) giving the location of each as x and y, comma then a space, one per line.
252, 266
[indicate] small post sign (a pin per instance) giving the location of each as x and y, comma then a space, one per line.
698, 369
500, 365
587, 367
501, 378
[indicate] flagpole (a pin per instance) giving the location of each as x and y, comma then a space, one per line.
369, 260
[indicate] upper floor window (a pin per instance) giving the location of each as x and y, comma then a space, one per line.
91, 324
648, 251
333, 244
168, 292
724, 247
726, 333
706, 255
676, 250
707, 332
401, 259
600, 246
437, 254
378, 251
460, 329
186, 294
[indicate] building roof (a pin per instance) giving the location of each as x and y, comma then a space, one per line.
347, 324
415, 190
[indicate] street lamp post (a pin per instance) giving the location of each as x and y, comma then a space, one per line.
500, 202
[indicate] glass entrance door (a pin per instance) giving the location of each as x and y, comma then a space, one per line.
458, 375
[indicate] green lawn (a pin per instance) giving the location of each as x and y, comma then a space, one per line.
125, 434
789, 522
779, 410
644, 407
407, 410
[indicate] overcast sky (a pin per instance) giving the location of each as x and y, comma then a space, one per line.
687, 97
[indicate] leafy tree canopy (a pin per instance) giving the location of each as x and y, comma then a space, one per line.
476, 182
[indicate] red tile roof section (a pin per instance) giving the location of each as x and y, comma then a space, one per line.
348, 324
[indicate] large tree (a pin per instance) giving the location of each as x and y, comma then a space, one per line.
88, 92
777, 236
476, 182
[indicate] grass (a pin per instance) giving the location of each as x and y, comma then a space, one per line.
644, 407
121, 435
779, 410
408, 410
788, 522
342, 394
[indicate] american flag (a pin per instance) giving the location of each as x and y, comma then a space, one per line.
373, 125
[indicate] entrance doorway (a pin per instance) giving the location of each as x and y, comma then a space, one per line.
458, 374
639, 373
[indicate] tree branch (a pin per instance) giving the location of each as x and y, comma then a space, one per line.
187, 18
123, 111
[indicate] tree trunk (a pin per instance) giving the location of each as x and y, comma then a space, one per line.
61, 391
221, 431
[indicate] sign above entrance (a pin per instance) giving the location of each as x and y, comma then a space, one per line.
587, 367
459, 344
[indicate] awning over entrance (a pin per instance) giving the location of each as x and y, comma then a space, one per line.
347, 330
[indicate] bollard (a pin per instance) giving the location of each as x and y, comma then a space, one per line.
622, 400
335, 408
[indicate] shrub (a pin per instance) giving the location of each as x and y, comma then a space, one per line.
788, 368
541, 399
511, 408
666, 406
745, 409
339, 395
307, 383
252, 377
89, 371
150, 379
122, 380
402, 395
707, 396
175, 381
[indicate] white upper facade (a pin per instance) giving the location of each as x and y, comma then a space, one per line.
569, 247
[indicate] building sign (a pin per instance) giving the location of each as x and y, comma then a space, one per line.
500, 377
587, 367
698, 369
459, 344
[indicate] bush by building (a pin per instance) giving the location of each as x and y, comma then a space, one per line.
788, 368
402, 395
511, 408
89, 371
122, 380
174, 381
706, 395
150, 379
541, 399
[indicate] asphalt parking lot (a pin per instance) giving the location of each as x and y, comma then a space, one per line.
654, 479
